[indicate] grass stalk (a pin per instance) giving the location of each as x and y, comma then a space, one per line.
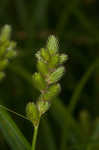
35, 137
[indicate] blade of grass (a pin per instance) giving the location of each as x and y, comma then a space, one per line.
48, 135
11, 111
58, 110
87, 24
77, 92
11, 132
65, 120
65, 15
94, 139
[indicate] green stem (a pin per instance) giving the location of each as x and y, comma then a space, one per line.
35, 137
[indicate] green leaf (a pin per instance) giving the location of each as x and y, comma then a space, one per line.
77, 92
48, 136
11, 132
65, 120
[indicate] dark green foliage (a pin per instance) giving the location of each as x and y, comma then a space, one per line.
76, 25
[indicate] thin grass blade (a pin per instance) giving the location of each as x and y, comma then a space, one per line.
11, 132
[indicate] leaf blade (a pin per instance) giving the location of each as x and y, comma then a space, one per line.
11, 133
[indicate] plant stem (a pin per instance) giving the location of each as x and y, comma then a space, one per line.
35, 137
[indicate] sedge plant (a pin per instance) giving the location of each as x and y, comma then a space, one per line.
50, 70
7, 49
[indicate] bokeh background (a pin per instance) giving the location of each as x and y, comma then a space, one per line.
76, 24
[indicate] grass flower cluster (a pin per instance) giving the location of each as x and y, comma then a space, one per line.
50, 70
6, 48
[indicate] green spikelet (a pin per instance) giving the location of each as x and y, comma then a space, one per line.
43, 106
38, 56
51, 93
42, 68
5, 33
6, 48
32, 113
45, 54
54, 61
38, 81
56, 75
52, 45
63, 58
10, 50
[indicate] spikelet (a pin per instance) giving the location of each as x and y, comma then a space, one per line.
32, 113
63, 58
5, 33
45, 54
43, 106
42, 68
52, 92
56, 75
54, 62
52, 45
38, 81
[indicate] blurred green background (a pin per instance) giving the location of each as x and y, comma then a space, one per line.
72, 122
